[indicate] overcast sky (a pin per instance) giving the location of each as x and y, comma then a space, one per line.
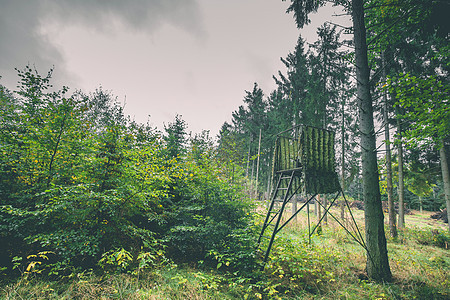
161, 57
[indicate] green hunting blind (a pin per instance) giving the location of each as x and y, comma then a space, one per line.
309, 151
303, 163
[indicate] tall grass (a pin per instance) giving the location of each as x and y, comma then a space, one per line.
331, 267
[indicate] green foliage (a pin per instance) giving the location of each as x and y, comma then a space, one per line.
81, 180
236, 254
298, 266
121, 260
205, 209
175, 137
35, 265
302, 8
426, 98
332, 267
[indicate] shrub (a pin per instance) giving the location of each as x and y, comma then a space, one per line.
433, 237
81, 180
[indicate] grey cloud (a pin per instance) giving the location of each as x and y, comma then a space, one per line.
22, 43
142, 15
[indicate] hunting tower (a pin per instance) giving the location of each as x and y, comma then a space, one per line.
303, 163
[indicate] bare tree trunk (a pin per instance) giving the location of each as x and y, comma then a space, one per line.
319, 211
401, 183
248, 157
445, 178
316, 208
343, 159
252, 192
257, 164
377, 258
390, 194
294, 207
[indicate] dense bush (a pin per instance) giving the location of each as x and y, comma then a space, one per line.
83, 183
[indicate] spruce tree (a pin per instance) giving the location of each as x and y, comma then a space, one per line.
377, 259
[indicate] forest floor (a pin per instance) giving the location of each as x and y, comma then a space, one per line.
423, 220
331, 267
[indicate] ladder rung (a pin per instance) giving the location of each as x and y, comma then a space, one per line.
286, 177
282, 188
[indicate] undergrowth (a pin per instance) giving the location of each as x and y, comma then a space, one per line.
331, 267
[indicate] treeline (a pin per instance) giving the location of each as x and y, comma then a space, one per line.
84, 186
314, 90
409, 83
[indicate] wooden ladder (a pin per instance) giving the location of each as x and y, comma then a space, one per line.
281, 194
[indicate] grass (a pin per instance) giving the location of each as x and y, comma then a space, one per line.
172, 283
331, 267
419, 219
